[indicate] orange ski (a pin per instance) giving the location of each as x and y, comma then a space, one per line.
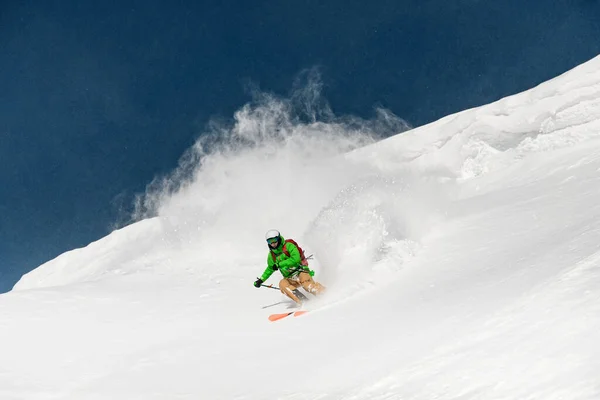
276, 317
299, 313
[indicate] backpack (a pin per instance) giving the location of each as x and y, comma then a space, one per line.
303, 260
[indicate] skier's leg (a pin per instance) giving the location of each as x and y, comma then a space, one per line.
309, 284
287, 287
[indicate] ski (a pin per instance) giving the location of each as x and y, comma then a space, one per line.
277, 317
299, 313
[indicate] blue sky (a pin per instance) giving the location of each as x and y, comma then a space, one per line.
98, 98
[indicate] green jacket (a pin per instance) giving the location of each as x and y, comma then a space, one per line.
288, 266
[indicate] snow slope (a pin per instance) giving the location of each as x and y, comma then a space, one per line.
462, 261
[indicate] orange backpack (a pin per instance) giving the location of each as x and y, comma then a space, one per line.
303, 262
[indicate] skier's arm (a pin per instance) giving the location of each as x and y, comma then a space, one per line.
293, 260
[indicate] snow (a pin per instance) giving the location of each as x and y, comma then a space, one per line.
462, 261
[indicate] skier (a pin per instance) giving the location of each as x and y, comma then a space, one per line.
287, 257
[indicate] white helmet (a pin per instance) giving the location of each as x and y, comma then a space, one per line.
272, 234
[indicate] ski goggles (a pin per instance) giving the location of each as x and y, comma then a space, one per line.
272, 240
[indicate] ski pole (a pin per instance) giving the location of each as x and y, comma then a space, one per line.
269, 286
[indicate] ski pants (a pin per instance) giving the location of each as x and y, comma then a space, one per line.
304, 280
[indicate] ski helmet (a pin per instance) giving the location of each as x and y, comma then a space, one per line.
273, 234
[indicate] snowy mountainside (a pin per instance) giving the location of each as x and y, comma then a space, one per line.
557, 114
462, 261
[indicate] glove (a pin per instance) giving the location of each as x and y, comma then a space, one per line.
258, 283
